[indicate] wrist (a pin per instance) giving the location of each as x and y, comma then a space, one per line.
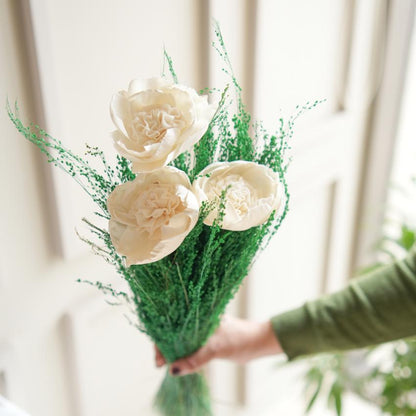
267, 342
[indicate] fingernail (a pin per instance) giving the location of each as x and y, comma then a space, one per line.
175, 371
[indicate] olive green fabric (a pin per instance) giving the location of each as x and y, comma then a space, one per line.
372, 309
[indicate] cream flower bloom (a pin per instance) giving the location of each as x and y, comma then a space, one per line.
157, 120
152, 215
253, 192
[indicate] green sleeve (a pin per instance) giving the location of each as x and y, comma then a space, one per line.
375, 308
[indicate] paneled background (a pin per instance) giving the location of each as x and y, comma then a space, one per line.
63, 350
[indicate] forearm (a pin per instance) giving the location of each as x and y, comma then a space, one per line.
242, 340
373, 309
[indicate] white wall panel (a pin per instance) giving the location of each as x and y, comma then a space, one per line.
86, 52
297, 59
284, 53
303, 53
112, 364
397, 26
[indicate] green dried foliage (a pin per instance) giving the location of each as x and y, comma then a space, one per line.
180, 298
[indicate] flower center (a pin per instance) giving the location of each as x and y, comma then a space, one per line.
155, 207
239, 193
151, 126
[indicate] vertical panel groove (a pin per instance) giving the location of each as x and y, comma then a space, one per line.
3, 384
250, 40
331, 217
23, 13
203, 32
24, 17
345, 59
250, 24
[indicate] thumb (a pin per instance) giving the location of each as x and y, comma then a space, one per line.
193, 362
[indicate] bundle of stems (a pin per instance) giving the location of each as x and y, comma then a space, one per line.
179, 299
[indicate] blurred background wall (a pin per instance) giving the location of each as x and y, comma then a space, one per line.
63, 350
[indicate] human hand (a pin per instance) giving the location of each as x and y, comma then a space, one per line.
235, 339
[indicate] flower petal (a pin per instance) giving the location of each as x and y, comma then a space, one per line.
253, 192
137, 85
157, 121
120, 111
152, 215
